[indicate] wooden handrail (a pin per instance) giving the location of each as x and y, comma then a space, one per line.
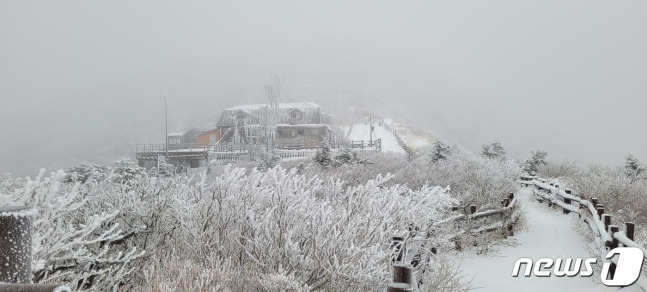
609, 235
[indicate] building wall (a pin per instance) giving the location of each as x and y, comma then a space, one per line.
301, 136
208, 138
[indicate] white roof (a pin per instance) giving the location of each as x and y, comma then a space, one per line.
281, 105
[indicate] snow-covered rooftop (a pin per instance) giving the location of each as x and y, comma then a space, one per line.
281, 105
255, 114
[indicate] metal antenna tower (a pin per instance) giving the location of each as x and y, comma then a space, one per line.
272, 95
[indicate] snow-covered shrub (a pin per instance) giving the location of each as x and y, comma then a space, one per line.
473, 179
328, 236
127, 174
268, 159
445, 276
622, 196
278, 226
348, 156
185, 275
163, 168
71, 243
359, 171
85, 171
558, 169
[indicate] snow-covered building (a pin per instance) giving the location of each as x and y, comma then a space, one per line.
289, 125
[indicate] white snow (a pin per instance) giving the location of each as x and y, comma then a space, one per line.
411, 140
17, 211
62, 289
361, 132
550, 234
415, 142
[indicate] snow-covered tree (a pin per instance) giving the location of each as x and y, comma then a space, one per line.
127, 173
493, 150
268, 159
163, 168
439, 151
633, 168
324, 156
536, 159
85, 171
348, 157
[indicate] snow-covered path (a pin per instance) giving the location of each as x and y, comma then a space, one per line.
361, 132
550, 234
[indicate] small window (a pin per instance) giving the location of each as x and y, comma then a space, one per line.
296, 115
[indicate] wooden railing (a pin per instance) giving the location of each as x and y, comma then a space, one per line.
361, 144
395, 133
607, 236
411, 252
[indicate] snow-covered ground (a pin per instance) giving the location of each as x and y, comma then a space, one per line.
550, 234
361, 132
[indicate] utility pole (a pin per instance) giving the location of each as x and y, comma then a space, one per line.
165, 127
370, 123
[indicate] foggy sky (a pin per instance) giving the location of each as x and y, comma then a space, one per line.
81, 80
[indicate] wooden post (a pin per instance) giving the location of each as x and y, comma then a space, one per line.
511, 196
506, 202
568, 191
398, 249
403, 273
399, 287
629, 230
434, 250
15, 244
594, 201
510, 232
454, 208
614, 244
606, 218
600, 212
472, 209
